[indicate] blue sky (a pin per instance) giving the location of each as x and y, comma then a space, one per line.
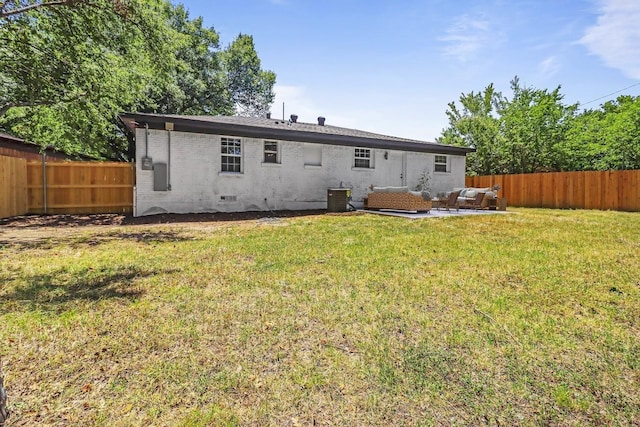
392, 67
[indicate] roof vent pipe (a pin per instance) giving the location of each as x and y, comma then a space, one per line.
321, 121
294, 118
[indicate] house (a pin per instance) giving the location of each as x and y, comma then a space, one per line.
187, 164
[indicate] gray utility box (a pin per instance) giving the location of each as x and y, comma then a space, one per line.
160, 182
338, 199
147, 164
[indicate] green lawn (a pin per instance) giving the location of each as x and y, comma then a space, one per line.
530, 318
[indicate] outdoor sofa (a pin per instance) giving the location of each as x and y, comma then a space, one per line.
397, 198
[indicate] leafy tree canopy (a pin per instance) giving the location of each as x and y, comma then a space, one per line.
476, 124
250, 87
68, 67
534, 130
606, 138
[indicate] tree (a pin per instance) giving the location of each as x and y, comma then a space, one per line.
69, 67
523, 134
4, 411
59, 51
606, 138
250, 87
197, 83
206, 80
622, 127
534, 124
476, 125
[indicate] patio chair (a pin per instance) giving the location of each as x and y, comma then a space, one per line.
476, 203
452, 201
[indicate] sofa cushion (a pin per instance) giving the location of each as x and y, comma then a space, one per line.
379, 189
398, 189
390, 189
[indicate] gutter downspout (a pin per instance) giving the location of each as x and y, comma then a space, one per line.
146, 139
169, 160
134, 198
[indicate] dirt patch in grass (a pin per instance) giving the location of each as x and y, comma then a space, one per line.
46, 231
36, 221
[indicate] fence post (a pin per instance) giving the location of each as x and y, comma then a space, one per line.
44, 181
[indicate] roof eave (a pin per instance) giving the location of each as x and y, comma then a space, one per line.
182, 124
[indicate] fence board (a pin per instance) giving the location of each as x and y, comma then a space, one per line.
615, 190
13, 186
612, 198
630, 191
81, 187
547, 190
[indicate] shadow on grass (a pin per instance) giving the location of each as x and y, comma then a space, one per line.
50, 291
75, 241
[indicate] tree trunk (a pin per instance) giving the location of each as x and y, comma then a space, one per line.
4, 411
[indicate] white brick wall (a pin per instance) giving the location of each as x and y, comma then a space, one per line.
197, 184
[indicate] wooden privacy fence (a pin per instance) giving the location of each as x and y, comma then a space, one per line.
80, 187
615, 190
13, 186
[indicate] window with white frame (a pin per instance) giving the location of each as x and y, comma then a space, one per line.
271, 152
362, 158
440, 163
231, 150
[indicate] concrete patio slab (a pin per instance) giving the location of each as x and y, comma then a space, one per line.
434, 213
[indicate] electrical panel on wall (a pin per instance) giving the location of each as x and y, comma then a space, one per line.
160, 181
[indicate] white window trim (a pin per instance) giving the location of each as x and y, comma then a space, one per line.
264, 151
447, 163
231, 174
241, 156
370, 158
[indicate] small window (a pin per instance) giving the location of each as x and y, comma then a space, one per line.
231, 150
362, 158
440, 164
271, 152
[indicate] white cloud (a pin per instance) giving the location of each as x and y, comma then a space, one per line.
549, 66
616, 36
466, 37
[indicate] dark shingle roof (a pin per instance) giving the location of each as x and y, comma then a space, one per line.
258, 127
18, 147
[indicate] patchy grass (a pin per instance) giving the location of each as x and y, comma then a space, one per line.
529, 318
